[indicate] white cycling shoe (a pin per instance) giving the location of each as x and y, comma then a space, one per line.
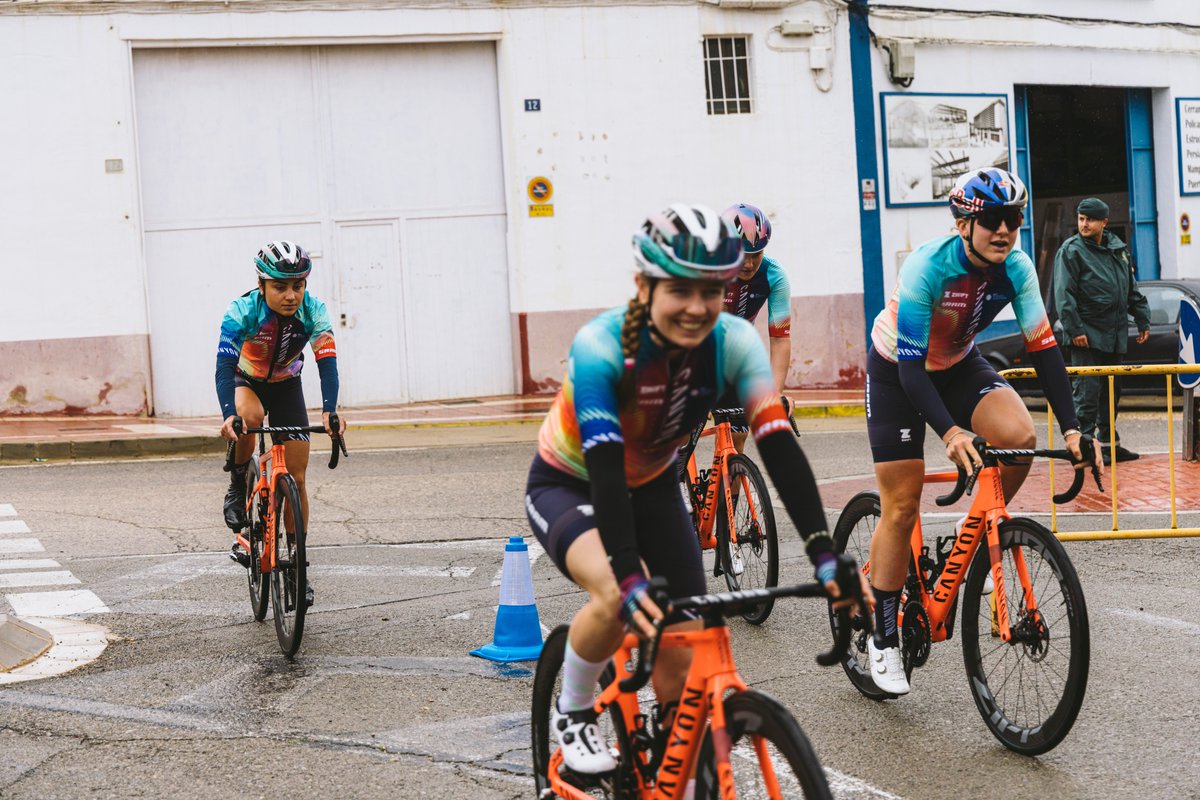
988, 583
579, 739
887, 668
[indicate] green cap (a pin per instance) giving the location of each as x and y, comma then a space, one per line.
1093, 208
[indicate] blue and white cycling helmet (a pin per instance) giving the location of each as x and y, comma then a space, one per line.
978, 190
688, 241
283, 261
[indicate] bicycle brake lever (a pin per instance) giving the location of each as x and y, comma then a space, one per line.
974, 476
1096, 476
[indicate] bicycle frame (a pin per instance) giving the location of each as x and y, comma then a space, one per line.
270, 468
706, 511
712, 675
987, 512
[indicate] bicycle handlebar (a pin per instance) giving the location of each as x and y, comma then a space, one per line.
339, 442
728, 604
737, 415
1001, 455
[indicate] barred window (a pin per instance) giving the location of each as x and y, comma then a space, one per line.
727, 74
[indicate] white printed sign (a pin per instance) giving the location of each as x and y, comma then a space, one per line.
1187, 115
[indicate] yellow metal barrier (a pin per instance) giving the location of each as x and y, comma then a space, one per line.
1112, 372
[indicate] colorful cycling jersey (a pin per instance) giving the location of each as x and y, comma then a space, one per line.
942, 301
745, 298
654, 404
269, 346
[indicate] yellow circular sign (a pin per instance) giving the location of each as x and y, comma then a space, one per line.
540, 190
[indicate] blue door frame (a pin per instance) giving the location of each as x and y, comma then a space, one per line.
1143, 207
1139, 158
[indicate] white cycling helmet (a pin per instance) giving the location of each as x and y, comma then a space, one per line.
688, 241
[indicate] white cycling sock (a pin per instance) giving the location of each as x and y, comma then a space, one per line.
579, 681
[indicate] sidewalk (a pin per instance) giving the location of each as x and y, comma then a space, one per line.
30, 439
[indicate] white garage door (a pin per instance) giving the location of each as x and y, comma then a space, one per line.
384, 161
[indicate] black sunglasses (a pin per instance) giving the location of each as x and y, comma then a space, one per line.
991, 218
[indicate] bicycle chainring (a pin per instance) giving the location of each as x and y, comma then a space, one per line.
915, 637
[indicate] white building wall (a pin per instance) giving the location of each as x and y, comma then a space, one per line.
623, 131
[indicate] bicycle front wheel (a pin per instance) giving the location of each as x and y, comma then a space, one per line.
752, 561
1029, 689
256, 530
289, 578
852, 535
753, 718
547, 684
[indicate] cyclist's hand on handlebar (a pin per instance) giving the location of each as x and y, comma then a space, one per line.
960, 450
341, 423
1074, 442
638, 609
227, 431
827, 576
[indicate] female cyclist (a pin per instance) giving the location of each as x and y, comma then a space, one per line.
259, 358
602, 496
924, 367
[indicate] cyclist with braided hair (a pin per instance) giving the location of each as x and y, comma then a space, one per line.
259, 358
602, 496
924, 367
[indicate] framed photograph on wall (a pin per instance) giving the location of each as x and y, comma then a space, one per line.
930, 139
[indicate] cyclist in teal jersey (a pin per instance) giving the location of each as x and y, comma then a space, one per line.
259, 358
924, 367
602, 497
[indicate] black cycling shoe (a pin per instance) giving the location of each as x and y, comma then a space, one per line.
235, 502
308, 595
239, 555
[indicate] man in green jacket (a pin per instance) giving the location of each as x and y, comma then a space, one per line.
1095, 292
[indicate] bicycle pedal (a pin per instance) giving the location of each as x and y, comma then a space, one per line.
581, 780
240, 556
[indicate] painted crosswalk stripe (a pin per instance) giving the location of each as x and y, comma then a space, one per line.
27, 563
56, 604
57, 578
6, 510
13, 526
9, 546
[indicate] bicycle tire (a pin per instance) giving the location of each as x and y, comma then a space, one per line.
852, 535
758, 542
546, 686
288, 579
258, 583
751, 714
1019, 712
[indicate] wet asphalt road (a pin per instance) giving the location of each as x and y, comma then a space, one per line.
192, 697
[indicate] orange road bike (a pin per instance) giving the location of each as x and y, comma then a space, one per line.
1025, 643
278, 563
731, 511
738, 741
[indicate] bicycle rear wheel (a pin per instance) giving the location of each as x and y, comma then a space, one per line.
547, 683
1029, 689
752, 716
852, 535
288, 579
259, 584
752, 562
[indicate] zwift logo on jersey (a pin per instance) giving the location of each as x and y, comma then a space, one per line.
910, 352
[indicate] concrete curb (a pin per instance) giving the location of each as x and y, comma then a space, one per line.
21, 643
29, 452
19, 453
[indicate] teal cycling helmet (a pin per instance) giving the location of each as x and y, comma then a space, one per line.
688, 241
283, 261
